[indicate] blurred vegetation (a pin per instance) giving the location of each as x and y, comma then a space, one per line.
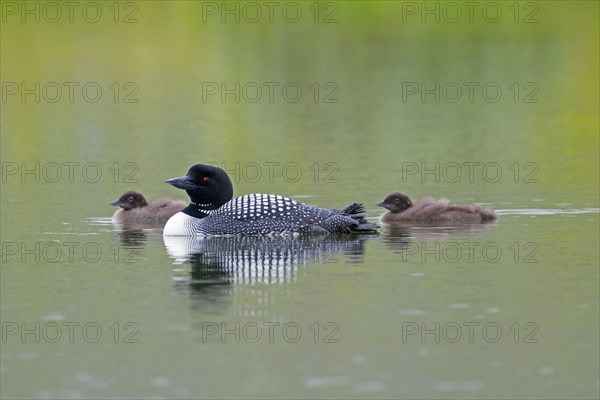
372, 49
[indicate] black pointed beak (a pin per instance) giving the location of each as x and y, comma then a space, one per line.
381, 204
183, 182
116, 203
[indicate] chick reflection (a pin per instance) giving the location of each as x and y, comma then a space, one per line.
398, 237
132, 237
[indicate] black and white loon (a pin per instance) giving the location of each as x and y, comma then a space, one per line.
212, 210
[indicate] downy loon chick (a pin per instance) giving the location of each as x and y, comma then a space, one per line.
212, 210
135, 208
402, 209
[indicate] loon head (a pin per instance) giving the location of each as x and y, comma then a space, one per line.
129, 200
207, 186
396, 202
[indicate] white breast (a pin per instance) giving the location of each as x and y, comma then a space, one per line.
180, 224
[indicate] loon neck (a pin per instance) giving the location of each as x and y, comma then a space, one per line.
197, 210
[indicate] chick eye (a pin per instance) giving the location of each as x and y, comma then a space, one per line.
130, 198
206, 179
397, 201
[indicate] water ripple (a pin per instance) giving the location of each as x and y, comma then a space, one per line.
541, 211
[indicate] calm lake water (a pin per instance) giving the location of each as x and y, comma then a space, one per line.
327, 103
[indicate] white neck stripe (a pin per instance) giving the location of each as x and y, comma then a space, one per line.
200, 205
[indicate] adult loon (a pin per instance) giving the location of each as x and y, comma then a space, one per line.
135, 208
212, 210
402, 209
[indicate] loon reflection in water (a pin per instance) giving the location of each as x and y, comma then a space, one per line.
259, 259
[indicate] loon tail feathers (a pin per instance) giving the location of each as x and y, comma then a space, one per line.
354, 209
357, 212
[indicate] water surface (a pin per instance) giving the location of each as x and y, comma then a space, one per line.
506, 310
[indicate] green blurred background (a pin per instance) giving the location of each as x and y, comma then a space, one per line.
363, 128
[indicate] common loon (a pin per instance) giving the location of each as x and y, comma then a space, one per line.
212, 210
135, 208
401, 209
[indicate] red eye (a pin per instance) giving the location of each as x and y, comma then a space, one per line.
206, 179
